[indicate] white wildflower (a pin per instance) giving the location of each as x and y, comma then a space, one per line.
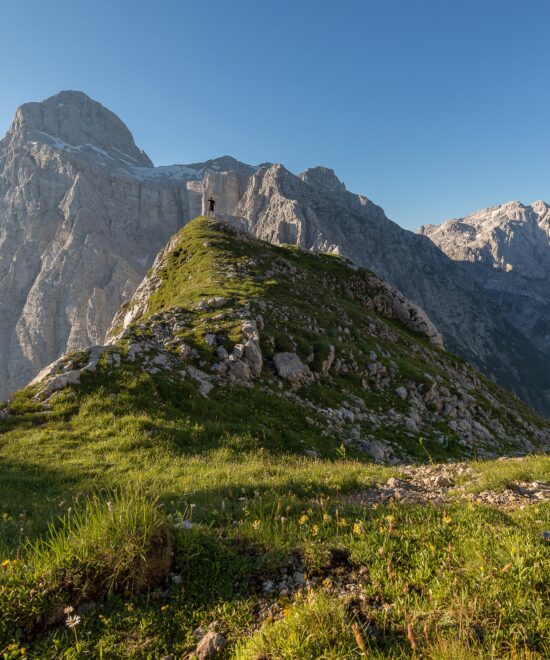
72, 621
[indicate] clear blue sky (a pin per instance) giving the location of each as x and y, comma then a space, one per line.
432, 108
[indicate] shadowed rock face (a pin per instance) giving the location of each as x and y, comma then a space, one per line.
83, 212
506, 250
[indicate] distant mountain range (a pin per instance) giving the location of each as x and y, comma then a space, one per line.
83, 213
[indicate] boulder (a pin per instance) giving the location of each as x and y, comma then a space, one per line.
239, 371
401, 392
216, 302
203, 380
211, 645
238, 351
376, 449
250, 330
327, 362
443, 481
210, 339
252, 355
60, 381
291, 368
222, 353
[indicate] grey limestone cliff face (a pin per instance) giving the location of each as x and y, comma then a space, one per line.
511, 237
82, 215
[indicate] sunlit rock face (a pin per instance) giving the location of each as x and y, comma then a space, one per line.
83, 213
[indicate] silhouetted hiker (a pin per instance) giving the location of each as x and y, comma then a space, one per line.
211, 205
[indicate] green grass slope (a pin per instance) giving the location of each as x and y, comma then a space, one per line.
154, 488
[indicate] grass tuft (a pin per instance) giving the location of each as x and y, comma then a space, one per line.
117, 543
314, 626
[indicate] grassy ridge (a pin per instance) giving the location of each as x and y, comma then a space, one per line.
130, 463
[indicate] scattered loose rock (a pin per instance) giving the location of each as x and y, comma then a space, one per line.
401, 392
203, 380
436, 484
217, 301
210, 339
210, 645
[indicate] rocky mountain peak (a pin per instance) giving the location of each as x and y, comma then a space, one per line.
502, 236
540, 207
225, 164
322, 178
73, 118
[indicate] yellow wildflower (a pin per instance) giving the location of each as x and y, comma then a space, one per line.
257, 524
327, 517
314, 530
358, 528
342, 522
302, 520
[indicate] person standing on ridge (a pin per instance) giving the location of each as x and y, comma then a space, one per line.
211, 206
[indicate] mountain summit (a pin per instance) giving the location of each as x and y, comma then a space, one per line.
509, 237
75, 120
505, 249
